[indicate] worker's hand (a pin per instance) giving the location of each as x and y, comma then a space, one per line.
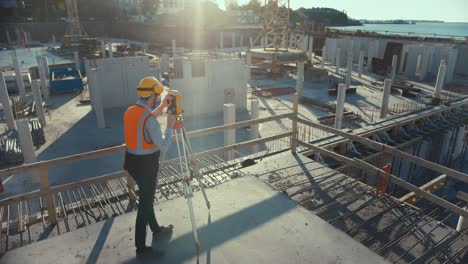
166, 101
171, 121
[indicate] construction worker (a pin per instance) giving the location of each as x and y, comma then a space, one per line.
145, 141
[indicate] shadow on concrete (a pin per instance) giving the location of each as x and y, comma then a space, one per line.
223, 230
99, 244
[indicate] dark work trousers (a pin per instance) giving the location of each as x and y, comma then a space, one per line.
144, 170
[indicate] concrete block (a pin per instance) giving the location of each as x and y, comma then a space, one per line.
440, 79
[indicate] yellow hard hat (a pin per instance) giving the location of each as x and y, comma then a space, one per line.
148, 86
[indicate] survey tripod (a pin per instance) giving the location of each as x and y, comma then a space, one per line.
189, 169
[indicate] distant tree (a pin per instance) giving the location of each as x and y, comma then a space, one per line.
255, 5
231, 4
328, 16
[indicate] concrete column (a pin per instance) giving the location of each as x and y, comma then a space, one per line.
251, 42
103, 49
300, 78
385, 98
311, 45
111, 53
340, 100
394, 67
97, 99
337, 63
263, 42
54, 39
241, 41
254, 114
229, 134
18, 76
77, 61
349, 70
42, 75
324, 56
173, 48
221, 40
36, 91
28, 34
5, 100
361, 63
249, 66
440, 79
283, 42
45, 64
26, 142
233, 39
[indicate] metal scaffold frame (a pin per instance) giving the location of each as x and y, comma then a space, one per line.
276, 24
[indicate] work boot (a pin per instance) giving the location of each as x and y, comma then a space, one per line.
162, 231
148, 252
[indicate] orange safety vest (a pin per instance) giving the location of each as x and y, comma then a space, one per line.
134, 128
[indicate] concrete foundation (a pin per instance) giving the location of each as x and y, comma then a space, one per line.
248, 223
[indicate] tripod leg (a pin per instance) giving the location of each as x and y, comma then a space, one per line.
188, 191
195, 164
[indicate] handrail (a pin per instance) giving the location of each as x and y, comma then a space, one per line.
121, 148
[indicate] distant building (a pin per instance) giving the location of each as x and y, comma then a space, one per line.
243, 16
173, 6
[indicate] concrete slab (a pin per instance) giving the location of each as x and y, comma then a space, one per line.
249, 223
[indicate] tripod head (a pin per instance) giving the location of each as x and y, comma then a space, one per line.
174, 98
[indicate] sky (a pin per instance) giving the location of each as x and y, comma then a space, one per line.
445, 10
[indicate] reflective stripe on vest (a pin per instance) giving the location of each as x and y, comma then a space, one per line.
134, 122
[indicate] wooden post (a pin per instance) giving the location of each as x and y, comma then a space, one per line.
45, 188
294, 122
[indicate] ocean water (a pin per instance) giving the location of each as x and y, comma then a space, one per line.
441, 30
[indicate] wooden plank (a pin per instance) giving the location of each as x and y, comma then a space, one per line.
391, 150
428, 186
462, 196
392, 178
45, 187
238, 125
242, 145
